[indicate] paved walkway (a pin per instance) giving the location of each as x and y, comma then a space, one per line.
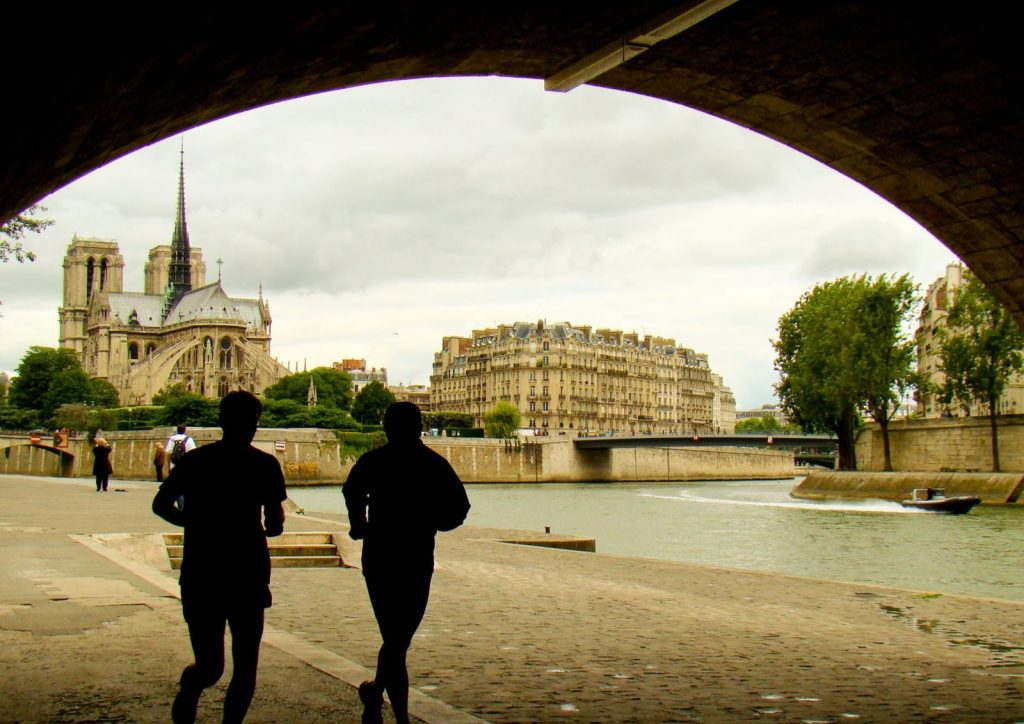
90, 631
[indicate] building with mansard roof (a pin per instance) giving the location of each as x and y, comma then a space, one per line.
572, 380
179, 330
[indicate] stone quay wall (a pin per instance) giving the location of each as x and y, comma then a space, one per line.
314, 457
950, 444
992, 488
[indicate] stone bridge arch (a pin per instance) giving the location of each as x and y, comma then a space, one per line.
918, 101
18, 455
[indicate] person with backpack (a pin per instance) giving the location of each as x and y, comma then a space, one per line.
177, 445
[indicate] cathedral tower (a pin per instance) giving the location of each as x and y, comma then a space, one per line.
180, 280
90, 266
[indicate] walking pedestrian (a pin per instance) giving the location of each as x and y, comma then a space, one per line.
159, 460
398, 496
225, 571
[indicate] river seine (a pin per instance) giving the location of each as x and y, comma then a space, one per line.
757, 526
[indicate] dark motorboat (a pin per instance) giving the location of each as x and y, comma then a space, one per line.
935, 499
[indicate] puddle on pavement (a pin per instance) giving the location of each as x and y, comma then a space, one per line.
1005, 653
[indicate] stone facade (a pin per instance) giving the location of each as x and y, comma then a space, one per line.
416, 394
180, 330
361, 376
575, 380
931, 324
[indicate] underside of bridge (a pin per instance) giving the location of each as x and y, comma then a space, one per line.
919, 101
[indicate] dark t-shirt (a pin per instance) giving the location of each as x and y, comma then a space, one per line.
398, 496
226, 489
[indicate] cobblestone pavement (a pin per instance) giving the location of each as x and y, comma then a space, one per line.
513, 634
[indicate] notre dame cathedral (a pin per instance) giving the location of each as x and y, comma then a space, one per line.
179, 330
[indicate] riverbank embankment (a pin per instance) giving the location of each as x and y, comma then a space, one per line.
992, 488
317, 457
513, 633
943, 445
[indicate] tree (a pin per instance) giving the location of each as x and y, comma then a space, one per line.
502, 420
67, 387
102, 393
843, 348
14, 230
189, 408
817, 387
171, 392
447, 419
371, 402
883, 352
289, 413
333, 388
981, 350
36, 371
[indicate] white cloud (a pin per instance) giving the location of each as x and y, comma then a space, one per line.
430, 208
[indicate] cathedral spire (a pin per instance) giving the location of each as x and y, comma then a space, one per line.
180, 279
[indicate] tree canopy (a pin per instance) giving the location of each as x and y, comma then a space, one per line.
446, 419
333, 388
981, 351
49, 378
371, 402
13, 231
765, 423
502, 420
842, 348
289, 413
35, 373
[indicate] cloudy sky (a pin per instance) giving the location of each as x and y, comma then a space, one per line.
381, 218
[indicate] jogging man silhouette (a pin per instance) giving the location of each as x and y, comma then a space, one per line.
225, 571
398, 496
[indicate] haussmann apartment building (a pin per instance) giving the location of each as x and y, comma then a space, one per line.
575, 380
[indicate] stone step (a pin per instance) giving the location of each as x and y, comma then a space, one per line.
327, 549
176, 551
295, 538
289, 562
305, 549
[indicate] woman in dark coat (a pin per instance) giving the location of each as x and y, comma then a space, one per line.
101, 466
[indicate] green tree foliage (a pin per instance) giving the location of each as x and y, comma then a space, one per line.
103, 394
35, 373
190, 409
766, 424
502, 421
333, 388
169, 393
16, 418
13, 231
842, 348
69, 386
289, 413
981, 350
371, 402
446, 420
885, 354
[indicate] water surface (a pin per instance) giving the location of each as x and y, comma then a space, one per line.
756, 525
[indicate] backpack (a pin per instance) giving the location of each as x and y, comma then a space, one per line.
178, 451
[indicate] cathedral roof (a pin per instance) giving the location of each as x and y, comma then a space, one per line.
211, 302
148, 308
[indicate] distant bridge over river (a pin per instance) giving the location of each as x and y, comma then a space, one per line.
814, 449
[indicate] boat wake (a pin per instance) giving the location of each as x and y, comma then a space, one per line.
855, 506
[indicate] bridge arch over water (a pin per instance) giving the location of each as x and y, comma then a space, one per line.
918, 101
